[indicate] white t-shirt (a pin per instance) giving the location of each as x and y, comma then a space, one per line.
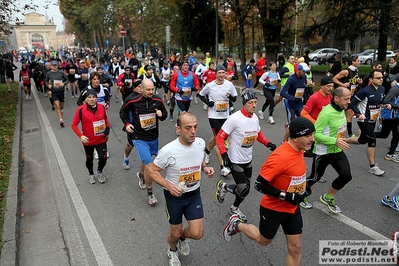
217, 94
243, 132
165, 74
182, 163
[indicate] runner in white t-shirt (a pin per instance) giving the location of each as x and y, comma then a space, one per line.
242, 130
182, 160
217, 95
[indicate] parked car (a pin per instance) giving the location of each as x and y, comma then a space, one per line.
365, 52
330, 58
368, 59
314, 56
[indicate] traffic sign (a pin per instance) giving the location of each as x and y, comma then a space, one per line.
144, 44
2, 43
123, 31
106, 42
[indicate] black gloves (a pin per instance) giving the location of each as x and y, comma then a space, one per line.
180, 91
211, 104
271, 146
106, 131
226, 160
194, 89
266, 86
298, 100
294, 198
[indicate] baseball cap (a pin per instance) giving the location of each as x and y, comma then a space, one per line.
54, 63
326, 80
301, 59
300, 127
82, 61
304, 67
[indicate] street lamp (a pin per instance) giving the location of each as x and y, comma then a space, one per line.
296, 25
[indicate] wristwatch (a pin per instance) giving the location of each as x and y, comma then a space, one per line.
282, 195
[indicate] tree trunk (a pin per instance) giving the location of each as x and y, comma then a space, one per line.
241, 44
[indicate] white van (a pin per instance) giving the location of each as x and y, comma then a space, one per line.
22, 50
314, 56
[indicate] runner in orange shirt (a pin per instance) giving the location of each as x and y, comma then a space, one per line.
283, 186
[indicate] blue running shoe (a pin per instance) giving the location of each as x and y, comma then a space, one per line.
387, 202
395, 201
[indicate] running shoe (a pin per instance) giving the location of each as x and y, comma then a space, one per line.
260, 114
126, 163
241, 215
230, 228
168, 102
183, 247
95, 154
152, 199
173, 258
322, 180
271, 120
101, 177
332, 206
388, 202
171, 118
27, 97
206, 157
395, 245
395, 201
62, 124
392, 157
220, 191
205, 106
196, 100
53, 107
376, 170
72, 96
140, 176
232, 109
225, 171
9, 90
92, 179
306, 204
116, 99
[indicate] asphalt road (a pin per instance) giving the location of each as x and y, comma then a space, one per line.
113, 224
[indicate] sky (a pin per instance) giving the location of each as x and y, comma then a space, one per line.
52, 12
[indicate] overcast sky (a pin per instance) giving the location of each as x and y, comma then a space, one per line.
52, 12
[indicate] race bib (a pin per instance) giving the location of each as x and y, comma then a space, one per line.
134, 68
130, 81
250, 76
299, 92
353, 89
297, 184
147, 121
341, 132
222, 106
249, 139
71, 71
273, 81
99, 127
190, 175
186, 91
374, 114
57, 83
25, 78
85, 76
166, 77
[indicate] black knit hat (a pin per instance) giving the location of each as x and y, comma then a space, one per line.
300, 127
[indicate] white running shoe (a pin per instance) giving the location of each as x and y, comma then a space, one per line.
271, 120
225, 171
92, 179
260, 114
205, 106
152, 199
195, 100
376, 170
140, 176
206, 157
101, 177
173, 258
183, 247
126, 163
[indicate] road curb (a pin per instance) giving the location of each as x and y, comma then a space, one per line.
9, 253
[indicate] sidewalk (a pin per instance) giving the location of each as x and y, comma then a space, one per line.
32, 231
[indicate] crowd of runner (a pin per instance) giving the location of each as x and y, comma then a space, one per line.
319, 125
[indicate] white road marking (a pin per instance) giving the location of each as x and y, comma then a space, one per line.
350, 222
100, 253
